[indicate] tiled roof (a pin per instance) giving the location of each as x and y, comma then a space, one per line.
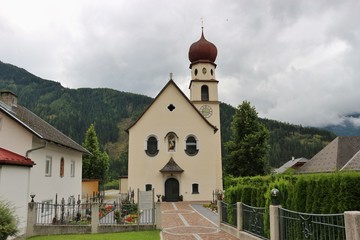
10, 158
353, 163
39, 127
334, 156
171, 166
291, 164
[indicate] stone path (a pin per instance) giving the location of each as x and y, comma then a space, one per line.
181, 221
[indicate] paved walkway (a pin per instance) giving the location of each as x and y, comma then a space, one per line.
182, 221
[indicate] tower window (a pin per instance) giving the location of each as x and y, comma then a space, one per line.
191, 146
196, 71
195, 188
212, 72
152, 146
204, 93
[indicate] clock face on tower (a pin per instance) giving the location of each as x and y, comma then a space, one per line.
206, 111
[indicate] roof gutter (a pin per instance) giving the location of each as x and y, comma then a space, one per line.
34, 149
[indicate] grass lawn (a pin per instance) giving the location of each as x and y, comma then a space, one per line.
148, 235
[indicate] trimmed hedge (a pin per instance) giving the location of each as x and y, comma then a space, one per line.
324, 193
312, 193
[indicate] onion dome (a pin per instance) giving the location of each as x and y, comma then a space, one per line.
202, 50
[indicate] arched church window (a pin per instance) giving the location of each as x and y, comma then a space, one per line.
195, 188
204, 93
191, 146
152, 146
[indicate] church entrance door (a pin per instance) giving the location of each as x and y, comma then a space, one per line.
172, 190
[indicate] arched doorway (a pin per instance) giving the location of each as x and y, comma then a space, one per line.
172, 190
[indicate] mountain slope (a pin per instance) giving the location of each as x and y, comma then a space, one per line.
73, 110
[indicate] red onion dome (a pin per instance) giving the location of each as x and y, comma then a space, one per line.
202, 50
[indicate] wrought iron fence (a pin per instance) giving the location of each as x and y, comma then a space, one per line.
224, 212
68, 214
297, 225
253, 220
80, 213
121, 214
229, 214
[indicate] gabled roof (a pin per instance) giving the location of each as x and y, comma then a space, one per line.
10, 158
171, 82
353, 163
39, 127
171, 167
294, 163
334, 156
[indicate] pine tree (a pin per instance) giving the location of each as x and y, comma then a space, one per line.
96, 165
247, 150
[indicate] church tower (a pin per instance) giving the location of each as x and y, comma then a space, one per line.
203, 85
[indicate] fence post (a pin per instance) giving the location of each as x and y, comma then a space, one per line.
352, 225
95, 217
158, 215
31, 219
219, 212
239, 216
274, 222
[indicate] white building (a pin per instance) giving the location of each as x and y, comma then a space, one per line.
57, 158
175, 145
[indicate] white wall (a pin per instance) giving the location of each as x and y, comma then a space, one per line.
14, 137
14, 189
46, 187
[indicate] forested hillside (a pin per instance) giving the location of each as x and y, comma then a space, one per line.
73, 110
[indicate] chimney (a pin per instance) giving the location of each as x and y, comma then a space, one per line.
9, 98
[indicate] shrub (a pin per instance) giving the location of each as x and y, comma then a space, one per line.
8, 221
114, 184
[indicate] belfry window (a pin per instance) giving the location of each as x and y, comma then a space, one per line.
204, 93
191, 146
152, 146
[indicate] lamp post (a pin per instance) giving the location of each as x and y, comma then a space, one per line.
275, 196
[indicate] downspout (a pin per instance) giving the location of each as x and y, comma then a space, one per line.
34, 149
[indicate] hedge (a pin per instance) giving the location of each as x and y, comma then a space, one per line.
312, 193
324, 193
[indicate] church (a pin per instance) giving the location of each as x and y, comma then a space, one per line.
175, 145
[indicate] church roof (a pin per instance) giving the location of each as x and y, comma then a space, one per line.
39, 127
171, 82
171, 166
10, 158
335, 156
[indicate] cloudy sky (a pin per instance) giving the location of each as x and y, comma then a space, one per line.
295, 61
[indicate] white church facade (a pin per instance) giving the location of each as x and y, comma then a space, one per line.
175, 145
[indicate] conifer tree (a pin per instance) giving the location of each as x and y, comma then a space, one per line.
96, 165
247, 150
